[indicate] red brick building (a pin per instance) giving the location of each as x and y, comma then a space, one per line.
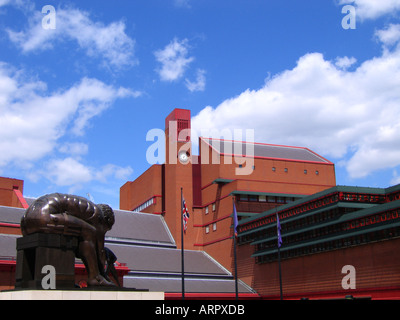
212, 180
11, 193
325, 228
324, 235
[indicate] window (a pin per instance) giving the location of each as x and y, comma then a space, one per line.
253, 198
213, 206
271, 199
243, 197
262, 198
286, 170
317, 172
145, 205
214, 226
207, 229
273, 169
207, 210
280, 199
305, 171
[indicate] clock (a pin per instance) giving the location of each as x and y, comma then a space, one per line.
183, 157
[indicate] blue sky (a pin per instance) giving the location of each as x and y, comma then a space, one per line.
77, 101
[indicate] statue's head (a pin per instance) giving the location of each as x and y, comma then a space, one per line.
108, 215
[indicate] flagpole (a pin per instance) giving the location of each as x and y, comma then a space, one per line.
280, 272
234, 252
182, 249
278, 225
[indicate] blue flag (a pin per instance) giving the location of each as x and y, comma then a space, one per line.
278, 225
235, 220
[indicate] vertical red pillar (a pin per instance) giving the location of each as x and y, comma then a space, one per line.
178, 173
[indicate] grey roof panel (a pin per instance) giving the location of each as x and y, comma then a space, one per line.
139, 226
29, 200
264, 150
128, 225
140, 258
191, 285
11, 214
8, 246
165, 260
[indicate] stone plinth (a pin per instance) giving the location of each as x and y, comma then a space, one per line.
38, 250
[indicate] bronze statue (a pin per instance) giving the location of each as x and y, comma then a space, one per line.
74, 216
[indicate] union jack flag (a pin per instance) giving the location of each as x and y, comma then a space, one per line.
185, 214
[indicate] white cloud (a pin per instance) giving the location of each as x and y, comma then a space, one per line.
16, 3
74, 148
118, 172
174, 60
92, 98
350, 116
32, 120
396, 178
389, 36
372, 9
345, 62
199, 84
109, 42
182, 3
70, 172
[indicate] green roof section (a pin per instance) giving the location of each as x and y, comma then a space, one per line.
322, 240
361, 210
305, 215
368, 190
344, 218
272, 194
221, 180
393, 189
246, 214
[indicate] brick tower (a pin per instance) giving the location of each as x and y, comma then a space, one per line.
178, 170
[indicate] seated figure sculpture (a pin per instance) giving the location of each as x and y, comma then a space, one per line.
74, 216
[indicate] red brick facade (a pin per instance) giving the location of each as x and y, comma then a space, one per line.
210, 183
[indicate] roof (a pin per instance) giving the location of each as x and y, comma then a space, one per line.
11, 214
199, 285
393, 189
142, 260
8, 246
364, 209
29, 200
263, 150
143, 242
305, 199
368, 211
137, 227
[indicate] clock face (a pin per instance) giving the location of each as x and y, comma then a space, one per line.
183, 156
